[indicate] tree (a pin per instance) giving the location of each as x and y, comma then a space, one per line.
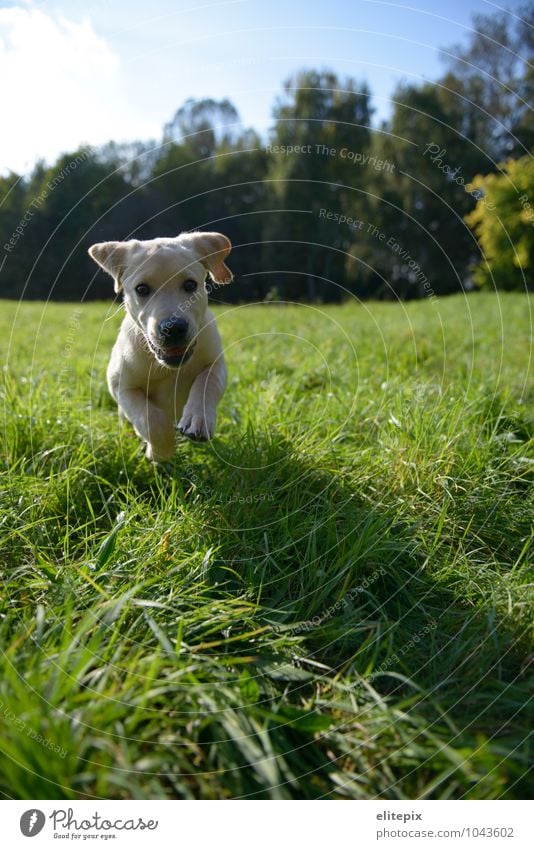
416, 241
439, 137
67, 206
494, 77
321, 125
12, 216
503, 220
202, 124
134, 160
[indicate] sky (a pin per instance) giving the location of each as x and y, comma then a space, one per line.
78, 72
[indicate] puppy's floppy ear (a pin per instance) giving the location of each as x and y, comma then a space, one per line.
212, 250
111, 256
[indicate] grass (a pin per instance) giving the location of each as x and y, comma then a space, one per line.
331, 600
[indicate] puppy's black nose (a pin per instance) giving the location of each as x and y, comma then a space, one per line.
173, 330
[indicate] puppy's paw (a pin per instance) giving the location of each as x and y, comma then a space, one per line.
198, 426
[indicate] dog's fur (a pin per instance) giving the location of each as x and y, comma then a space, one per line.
155, 381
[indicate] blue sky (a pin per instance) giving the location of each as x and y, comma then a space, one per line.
86, 71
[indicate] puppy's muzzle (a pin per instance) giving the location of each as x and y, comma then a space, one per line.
172, 347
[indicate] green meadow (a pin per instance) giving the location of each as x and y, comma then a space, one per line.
333, 599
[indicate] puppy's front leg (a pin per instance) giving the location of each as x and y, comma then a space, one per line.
200, 412
149, 422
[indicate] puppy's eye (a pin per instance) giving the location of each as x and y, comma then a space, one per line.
143, 290
190, 285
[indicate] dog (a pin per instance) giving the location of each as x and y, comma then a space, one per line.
167, 364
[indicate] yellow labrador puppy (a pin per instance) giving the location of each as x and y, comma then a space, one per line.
167, 364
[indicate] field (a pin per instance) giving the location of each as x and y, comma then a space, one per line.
331, 600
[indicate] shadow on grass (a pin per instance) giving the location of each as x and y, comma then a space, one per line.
354, 583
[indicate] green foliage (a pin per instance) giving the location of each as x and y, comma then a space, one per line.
202, 125
75, 202
504, 223
318, 121
418, 204
325, 205
492, 77
331, 600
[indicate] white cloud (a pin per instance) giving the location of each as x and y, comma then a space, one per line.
60, 85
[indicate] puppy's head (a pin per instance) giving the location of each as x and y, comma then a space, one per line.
163, 283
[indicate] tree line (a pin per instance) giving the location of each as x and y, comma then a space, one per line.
437, 199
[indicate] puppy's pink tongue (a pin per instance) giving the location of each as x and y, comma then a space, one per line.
175, 352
